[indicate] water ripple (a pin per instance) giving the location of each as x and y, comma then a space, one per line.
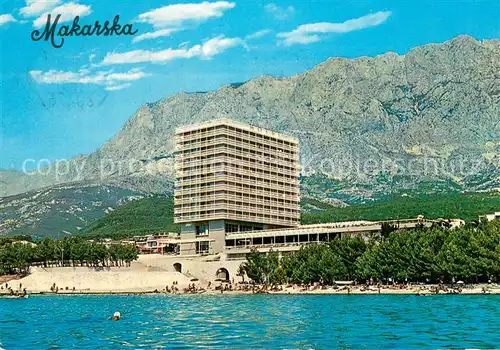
251, 321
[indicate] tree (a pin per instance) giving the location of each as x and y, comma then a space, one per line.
386, 230
241, 272
349, 249
255, 266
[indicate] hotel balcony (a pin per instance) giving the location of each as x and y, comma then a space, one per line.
237, 180
235, 217
235, 207
253, 157
293, 155
181, 166
274, 139
251, 200
239, 171
225, 187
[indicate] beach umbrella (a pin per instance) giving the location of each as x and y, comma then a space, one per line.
220, 280
460, 282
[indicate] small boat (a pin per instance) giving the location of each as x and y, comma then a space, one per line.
14, 296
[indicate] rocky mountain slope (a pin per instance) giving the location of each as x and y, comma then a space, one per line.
431, 114
60, 210
425, 121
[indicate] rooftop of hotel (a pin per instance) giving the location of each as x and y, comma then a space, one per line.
239, 125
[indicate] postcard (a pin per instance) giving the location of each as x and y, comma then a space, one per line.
250, 147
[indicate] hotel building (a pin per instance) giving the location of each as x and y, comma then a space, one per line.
233, 178
237, 189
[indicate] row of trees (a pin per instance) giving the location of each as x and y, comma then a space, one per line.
18, 257
470, 254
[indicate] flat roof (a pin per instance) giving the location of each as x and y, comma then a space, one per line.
239, 125
163, 240
302, 231
192, 240
337, 227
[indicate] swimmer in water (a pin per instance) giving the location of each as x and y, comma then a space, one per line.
116, 316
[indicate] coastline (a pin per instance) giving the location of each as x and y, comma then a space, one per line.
155, 275
357, 290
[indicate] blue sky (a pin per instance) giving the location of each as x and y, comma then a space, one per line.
58, 103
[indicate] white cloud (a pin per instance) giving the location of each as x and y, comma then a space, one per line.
176, 15
258, 34
209, 49
138, 56
300, 39
155, 34
308, 33
109, 78
7, 18
218, 45
67, 11
117, 87
37, 7
280, 12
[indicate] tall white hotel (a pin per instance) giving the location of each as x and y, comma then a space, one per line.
230, 178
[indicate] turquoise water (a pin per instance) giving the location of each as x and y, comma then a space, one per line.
251, 321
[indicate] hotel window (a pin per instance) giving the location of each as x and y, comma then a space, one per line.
201, 230
244, 228
231, 228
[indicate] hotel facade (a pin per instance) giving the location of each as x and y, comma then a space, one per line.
233, 178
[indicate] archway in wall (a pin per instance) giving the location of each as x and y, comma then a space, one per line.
178, 267
222, 274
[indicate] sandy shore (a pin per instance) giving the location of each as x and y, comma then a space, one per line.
135, 280
86, 280
360, 290
473, 291
156, 274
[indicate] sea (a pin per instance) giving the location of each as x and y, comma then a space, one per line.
251, 322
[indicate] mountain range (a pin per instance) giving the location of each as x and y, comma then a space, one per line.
426, 121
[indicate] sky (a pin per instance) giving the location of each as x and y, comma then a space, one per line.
57, 103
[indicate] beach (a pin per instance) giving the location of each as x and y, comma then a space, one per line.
156, 274
90, 280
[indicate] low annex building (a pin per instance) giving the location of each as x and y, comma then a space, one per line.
158, 243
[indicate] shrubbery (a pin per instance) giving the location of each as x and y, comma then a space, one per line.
471, 254
18, 257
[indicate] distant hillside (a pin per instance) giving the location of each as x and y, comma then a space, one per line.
106, 211
147, 215
463, 206
60, 210
155, 214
